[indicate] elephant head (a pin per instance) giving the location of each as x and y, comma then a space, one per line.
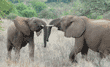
26, 25
72, 26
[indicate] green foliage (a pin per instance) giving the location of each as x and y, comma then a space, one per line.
95, 8
15, 11
25, 11
16, 1
106, 15
21, 6
11, 16
1, 27
29, 13
65, 1
48, 13
38, 6
5, 7
99, 17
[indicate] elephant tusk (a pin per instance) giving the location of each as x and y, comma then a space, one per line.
42, 25
50, 25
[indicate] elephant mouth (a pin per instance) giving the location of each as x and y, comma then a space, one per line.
38, 28
60, 29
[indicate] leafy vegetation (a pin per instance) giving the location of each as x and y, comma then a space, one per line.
94, 9
48, 13
38, 6
5, 7
28, 13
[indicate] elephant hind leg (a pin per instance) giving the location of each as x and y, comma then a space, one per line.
9, 49
103, 54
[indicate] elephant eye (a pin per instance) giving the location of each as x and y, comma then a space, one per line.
69, 24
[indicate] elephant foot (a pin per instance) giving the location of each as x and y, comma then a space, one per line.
72, 58
84, 57
74, 61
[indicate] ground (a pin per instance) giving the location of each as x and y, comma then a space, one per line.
56, 54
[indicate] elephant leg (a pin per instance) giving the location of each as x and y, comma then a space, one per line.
17, 54
31, 50
101, 56
77, 48
84, 50
9, 49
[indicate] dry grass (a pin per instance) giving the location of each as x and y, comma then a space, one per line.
54, 55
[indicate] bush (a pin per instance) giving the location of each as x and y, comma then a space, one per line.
106, 15
95, 8
15, 11
16, 1
29, 13
24, 10
1, 27
99, 17
38, 6
11, 16
48, 14
5, 7
21, 6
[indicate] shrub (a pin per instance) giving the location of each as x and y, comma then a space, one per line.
16, 1
21, 6
29, 13
38, 6
5, 7
106, 15
24, 10
99, 17
1, 27
48, 14
11, 16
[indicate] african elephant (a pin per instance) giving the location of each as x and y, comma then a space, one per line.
21, 32
88, 33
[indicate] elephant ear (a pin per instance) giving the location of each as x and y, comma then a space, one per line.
75, 28
21, 24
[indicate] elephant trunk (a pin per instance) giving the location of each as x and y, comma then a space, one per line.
45, 33
56, 23
49, 32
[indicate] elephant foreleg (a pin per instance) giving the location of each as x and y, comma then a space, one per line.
77, 48
84, 50
31, 50
17, 54
9, 49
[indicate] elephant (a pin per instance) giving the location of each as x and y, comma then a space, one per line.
21, 32
88, 33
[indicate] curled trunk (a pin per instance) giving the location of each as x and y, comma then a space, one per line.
49, 32
56, 23
45, 33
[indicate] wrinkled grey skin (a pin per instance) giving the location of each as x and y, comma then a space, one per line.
21, 32
88, 34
